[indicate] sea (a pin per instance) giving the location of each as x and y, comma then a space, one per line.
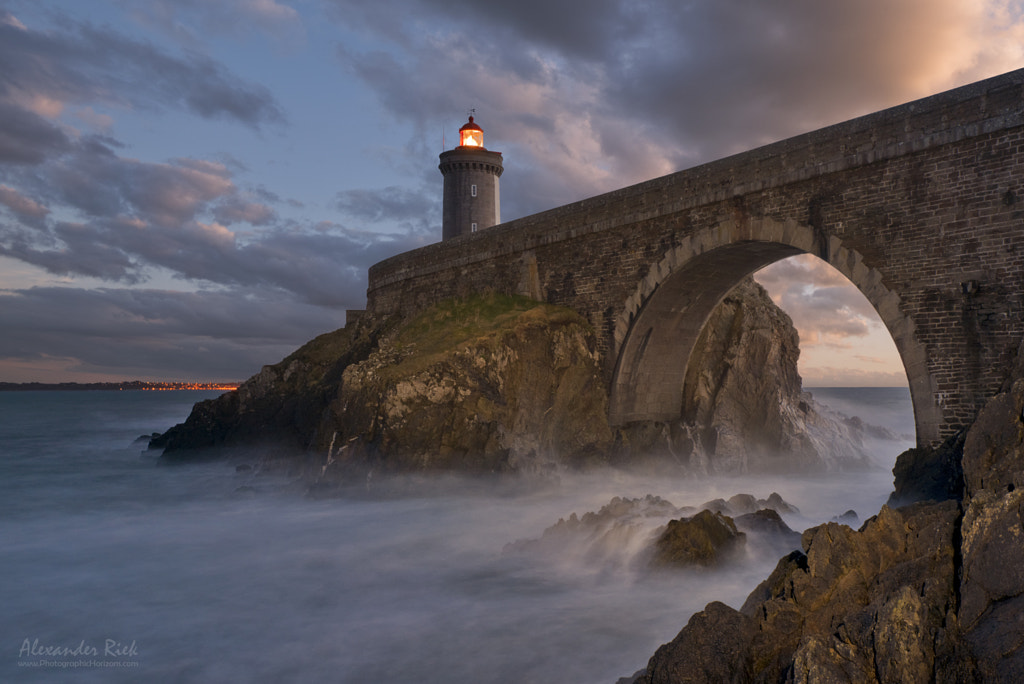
115, 568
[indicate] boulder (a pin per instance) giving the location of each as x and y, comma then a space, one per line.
767, 523
706, 539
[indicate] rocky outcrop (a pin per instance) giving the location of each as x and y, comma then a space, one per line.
932, 591
481, 385
864, 606
499, 384
991, 615
278, 410
491, 385
617, 536
743, 406
705, 539
929, 474
651, 533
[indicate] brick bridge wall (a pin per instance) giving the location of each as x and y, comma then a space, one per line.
921, 206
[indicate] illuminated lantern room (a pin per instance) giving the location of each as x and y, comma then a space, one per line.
471, 135
472, 197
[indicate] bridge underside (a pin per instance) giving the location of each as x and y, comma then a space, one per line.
648, 380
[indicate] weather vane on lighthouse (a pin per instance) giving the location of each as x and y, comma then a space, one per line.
471, 192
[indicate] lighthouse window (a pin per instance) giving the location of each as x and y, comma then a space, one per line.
472, 190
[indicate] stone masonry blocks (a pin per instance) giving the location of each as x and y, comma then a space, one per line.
908, 203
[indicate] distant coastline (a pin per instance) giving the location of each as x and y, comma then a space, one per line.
133, 385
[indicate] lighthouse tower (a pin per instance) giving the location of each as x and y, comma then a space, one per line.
471, 172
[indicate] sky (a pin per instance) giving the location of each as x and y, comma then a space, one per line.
191, 189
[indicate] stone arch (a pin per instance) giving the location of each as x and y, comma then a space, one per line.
661, 321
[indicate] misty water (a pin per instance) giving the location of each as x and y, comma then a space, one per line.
124, 570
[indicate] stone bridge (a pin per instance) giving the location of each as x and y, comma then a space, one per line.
921, 206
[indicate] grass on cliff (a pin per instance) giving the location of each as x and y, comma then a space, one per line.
455, 322
322, 351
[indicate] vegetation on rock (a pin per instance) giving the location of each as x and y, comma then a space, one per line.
487, 384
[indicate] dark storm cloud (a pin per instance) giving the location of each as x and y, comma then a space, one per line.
156, 334
85, 64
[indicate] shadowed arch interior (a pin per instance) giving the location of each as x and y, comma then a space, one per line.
648, 381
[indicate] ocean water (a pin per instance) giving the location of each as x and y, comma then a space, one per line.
117, 569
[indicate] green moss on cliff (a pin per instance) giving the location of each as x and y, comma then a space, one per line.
459, 323
490, 383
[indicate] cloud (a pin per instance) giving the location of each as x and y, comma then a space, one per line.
187, 20
153, 334
25, 207
413, 209
86, 65
27, 138
826, 308
581, 97
238, 210
586, 97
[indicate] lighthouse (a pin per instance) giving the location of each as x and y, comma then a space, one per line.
471, 172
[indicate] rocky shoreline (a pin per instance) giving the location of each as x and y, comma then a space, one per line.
931, 589
926, 591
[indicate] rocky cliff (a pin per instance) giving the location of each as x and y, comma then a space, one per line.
932, 591
489, 384
495, 384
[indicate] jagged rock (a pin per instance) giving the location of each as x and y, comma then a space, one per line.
854, 606
928, 592
992, 590
706, 539
625, 533
742, 383
616, 536
929, 474
741, 504
850, 518
769, 524
743, 407
993, 457
277, 409
709, 649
